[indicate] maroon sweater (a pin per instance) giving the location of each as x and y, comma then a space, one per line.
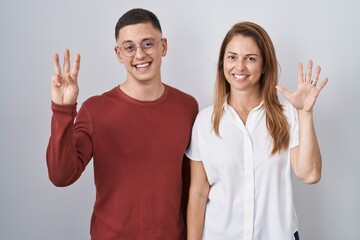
138, 155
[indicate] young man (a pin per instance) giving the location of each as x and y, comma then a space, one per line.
136, 134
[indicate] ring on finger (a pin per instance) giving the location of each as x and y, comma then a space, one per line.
313, 82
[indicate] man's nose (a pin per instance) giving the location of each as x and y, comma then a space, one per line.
139, 52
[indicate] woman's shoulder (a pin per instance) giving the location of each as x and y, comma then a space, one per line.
205, 114
206, 111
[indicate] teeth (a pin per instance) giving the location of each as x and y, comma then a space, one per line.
142, 65
238, 76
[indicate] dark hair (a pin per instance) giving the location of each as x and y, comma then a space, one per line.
134, 16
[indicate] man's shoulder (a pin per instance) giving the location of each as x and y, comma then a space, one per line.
100, 99
184, 102
180, 94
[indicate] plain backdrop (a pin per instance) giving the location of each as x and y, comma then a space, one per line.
326, 31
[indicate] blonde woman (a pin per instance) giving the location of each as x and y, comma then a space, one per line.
245, 146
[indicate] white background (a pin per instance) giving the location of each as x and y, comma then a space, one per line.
326, 31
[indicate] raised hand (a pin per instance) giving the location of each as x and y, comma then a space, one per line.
307, 91
64, 86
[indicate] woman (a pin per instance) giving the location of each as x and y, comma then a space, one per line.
244, 146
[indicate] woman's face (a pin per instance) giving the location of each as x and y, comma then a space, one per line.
243, 64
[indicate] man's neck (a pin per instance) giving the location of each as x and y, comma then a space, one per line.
143, 91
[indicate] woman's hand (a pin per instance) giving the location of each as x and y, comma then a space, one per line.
307, 92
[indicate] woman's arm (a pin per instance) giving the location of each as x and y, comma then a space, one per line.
306, 158
198, 196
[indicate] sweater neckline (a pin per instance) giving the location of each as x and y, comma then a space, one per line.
136, 101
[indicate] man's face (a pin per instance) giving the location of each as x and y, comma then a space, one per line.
140, 47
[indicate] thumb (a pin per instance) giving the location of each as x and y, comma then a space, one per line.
283, 90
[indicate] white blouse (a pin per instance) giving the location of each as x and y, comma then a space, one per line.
251, 191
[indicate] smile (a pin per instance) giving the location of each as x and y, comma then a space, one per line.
141, 66
240, 76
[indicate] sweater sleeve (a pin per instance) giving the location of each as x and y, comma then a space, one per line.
69, 149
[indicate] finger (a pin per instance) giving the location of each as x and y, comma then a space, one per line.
284, 91
308, 72
322, 84
300, 73
66, 61
317, 74
68, 79
55, 81
56, 64
75, 70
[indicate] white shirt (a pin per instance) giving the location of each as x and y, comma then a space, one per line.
251, 195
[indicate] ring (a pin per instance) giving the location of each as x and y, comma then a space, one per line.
312, 82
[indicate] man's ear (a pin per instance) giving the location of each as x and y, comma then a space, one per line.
164, 47
118, 54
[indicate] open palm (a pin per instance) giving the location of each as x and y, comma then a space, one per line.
307, 92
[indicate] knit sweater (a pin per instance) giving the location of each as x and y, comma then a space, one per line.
140, 169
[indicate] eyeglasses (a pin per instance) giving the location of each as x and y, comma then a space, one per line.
148, 47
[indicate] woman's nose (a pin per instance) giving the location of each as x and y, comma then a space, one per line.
240, 64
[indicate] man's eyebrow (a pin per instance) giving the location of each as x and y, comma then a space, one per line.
126, 41
142, 40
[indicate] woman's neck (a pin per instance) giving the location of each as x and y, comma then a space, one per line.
243, 104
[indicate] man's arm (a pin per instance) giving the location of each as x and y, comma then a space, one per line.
68, 150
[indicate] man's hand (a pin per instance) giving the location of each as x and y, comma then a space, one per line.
64, 86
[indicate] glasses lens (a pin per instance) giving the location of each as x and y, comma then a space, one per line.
148, 47
128, 49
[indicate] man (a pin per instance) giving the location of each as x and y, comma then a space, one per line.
136, 134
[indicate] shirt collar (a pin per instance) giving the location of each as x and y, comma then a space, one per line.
227, 107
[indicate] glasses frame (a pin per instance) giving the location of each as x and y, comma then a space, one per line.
136, 47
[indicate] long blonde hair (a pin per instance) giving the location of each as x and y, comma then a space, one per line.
276, 121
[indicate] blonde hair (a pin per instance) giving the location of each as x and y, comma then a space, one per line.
276, 121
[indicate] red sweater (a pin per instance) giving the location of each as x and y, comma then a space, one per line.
138, 155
